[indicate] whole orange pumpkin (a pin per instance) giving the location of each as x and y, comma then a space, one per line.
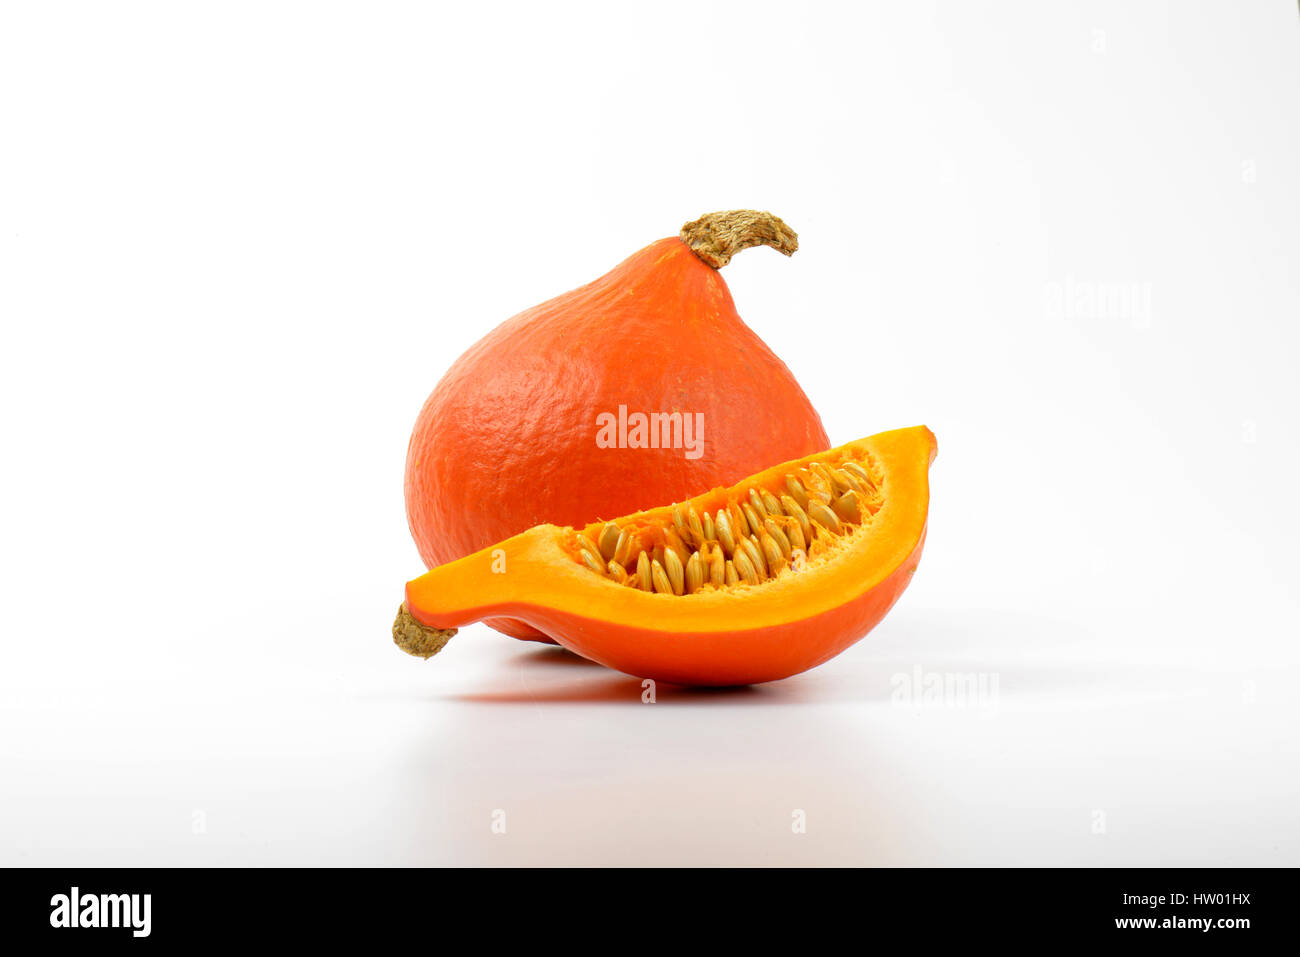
642, 387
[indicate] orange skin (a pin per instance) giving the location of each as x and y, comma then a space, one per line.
739, 635
507, 440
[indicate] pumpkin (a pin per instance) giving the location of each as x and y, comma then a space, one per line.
641, 387
750, 583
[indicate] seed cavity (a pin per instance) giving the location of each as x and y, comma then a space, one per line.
759, 536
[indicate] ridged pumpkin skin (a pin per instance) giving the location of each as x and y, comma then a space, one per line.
508, 438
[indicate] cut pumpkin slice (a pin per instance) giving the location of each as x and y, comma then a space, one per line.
756, 582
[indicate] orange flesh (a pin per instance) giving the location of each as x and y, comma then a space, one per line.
737, 634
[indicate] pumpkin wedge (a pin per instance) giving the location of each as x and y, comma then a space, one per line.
766, 579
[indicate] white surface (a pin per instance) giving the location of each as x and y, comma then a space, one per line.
240, 243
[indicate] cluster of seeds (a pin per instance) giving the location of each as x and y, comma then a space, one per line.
762, 535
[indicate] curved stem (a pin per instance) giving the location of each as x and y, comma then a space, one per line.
417, 639
716, 237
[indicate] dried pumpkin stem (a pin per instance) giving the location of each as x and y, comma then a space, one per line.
716, 237
417, 639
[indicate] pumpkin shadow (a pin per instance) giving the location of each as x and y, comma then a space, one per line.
596, 684
556, 656
602, 687
617, 688
891, 670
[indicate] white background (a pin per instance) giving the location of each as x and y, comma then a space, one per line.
239, 243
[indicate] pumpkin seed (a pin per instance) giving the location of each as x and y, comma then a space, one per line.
676, 573
590, 547
697, 529
730, 576
794, 532
659, 579
673, 542
862, 474
854, 483
723, 528
623, 550
717, 562
739, 523
609, 540
819, 489
798, 514
773, 528
745, 568
826, 475
694, 573
818, 512
771, 553
644, 577
595, 563
679, 520
847, 507
749, 546
617, 572
796, 491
